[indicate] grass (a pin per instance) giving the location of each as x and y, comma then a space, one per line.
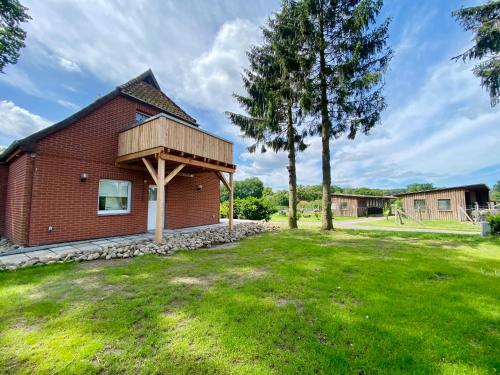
309, 219
293, 302
426, 224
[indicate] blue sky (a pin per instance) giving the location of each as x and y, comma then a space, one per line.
438, 127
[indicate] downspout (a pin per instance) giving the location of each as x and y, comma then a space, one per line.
32, 157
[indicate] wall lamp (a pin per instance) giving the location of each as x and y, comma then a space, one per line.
199, 187
84, 177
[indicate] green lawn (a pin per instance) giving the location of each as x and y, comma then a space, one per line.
425, 224
293, 302
309, 219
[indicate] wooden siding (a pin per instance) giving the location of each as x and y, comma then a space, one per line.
456, 197
165, 132
351, 208
356, 205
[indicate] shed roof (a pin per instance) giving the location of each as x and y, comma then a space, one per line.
144, 88
462, 187
360, 196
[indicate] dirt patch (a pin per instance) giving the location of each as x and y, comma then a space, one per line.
224, 246
243, 274
191, 281
282, 302
100, 264
449, 244
24, 326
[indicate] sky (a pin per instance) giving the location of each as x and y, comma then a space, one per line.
438, 126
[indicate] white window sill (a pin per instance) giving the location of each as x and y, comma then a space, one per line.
112, 213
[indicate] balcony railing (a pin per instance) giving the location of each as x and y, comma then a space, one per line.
175, 136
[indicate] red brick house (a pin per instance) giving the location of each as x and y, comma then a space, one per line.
131, 161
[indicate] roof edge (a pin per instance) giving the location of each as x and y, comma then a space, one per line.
477, 186
361, 195
28, 143
195, 124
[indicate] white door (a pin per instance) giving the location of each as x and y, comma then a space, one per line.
152, 207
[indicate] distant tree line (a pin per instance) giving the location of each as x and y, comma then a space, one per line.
254, 187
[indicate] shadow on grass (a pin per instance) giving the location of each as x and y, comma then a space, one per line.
361, 303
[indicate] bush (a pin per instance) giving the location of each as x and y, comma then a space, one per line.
252, 208
224, 209
494, 221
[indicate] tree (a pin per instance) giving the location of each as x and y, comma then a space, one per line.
419, 187
350, 57
12, 14
273, 95
495, 192
484, 22
249, 187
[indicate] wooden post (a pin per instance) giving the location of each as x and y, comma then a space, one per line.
230, 213
160, 201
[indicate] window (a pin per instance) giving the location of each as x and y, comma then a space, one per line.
140, 117
444, 205
114, 197
419, 204
343, 205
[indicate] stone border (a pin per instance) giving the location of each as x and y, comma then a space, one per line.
129, 248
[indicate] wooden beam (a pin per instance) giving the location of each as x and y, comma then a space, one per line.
223, 179
160, 201
196, 163
151, 170
134, 167
230, 211
173, 173
139, 154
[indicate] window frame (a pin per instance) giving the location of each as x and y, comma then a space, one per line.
344, 205
115, 212
446, 210
143, 114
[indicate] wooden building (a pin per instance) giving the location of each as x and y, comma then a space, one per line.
358, 205
453, 203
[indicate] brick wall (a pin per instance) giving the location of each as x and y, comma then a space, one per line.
18, 202
187, 206
61, 200
4, 178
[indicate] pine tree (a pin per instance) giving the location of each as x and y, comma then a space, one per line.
350, 57
273, 85
484, 22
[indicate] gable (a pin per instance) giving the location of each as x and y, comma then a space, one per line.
144, 88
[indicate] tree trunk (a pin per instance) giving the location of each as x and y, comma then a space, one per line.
292, 175
326, 212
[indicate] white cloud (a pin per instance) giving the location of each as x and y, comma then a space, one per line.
197, 50
440, 123
446, 129
211, 78
18, 122
68, 104
68, 65
17, 78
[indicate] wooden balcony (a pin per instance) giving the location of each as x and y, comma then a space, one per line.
167, 147
163, 134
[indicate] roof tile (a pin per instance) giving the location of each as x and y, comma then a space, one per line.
146, 88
